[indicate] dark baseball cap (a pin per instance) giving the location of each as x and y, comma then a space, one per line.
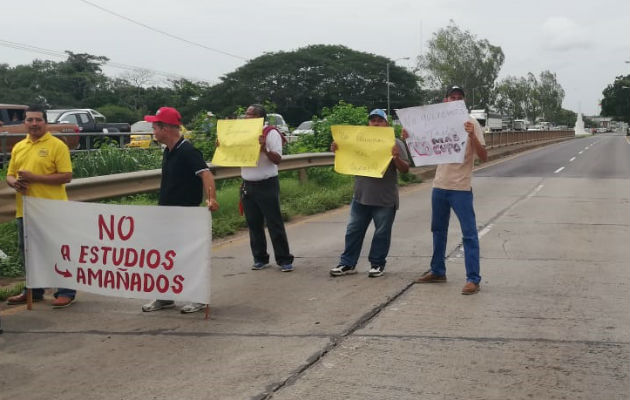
454, 89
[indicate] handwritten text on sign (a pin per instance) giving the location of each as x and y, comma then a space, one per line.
363, 150
125, 251
436, 132
238, 142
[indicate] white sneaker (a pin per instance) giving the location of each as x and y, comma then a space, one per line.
158, 305
192, 307
376, 271
341, 269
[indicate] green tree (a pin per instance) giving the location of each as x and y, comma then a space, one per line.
616, 101
566, 117
530, 97
550, 95
511, 96
116, 113
456, 57
301, 83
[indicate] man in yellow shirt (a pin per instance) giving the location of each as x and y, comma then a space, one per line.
40, 166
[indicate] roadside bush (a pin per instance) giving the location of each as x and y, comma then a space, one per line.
341, 114
204, 134
11, 265
110, 159
115, 113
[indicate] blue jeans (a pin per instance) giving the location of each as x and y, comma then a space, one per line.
462, 204
38, 293
360, 218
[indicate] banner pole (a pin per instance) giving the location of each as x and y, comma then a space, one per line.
207, 310
29, 299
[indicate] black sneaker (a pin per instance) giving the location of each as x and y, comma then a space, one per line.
376, 271
341, 269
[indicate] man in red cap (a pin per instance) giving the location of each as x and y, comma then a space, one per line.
185, 178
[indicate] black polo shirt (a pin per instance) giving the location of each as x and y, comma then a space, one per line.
180, 184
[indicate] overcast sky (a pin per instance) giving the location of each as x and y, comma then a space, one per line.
586, 43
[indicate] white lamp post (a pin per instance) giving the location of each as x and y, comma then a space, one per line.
389, 62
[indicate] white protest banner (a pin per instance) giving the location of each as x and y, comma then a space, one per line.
436, 132
145, 252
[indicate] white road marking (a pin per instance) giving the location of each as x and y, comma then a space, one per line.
533, 192
485, 230
571, 160
581, 152
558, 170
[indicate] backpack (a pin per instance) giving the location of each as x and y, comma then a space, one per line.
269, 128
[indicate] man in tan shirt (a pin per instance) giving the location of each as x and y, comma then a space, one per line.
452, 189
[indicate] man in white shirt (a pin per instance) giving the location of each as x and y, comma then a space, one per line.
260, 198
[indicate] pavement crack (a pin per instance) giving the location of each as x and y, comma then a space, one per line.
499, 339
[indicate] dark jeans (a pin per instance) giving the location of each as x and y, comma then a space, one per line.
462, 204
261, 204
360, 218
38, 293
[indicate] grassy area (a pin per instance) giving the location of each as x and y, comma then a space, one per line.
112, 160
11, 290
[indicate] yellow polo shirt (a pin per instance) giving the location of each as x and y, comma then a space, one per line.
45, 156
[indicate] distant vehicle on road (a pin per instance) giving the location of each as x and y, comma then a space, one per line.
305, 128
278, 121
489, 121
89, 121
520, 124
142, 135
12, 117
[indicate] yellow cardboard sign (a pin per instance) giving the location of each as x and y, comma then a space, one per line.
363, 150
238, 142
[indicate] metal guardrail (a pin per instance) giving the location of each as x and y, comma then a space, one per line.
115, 185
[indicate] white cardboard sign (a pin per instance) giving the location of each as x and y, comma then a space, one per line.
145, 252
436, 132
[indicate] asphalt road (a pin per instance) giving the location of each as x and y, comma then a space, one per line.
552, 320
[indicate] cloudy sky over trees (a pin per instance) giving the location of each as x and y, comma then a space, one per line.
585, 44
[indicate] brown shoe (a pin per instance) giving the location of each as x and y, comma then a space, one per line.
61, 302
21, 299
471, 288
429, 277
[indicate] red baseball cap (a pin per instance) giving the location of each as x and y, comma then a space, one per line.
167, 115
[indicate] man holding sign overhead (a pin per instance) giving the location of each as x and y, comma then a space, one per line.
375, 198
452, 189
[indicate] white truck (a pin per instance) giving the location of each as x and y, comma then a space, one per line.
489, 121
520, 124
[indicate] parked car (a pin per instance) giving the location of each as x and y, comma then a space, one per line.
89, 121
278, 121
142, 135
305, 128
12, 118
